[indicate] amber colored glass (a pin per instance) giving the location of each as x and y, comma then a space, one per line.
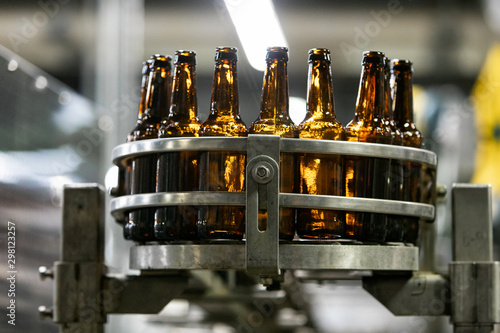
124, 173
179, 171
367, 176
401, 80
143, 169
395, 179
274, 119
223, 171
320, 173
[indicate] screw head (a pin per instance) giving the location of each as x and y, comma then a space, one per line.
45, 272
262, 172
45, 312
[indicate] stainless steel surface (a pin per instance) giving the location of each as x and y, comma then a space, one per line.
262, 195
476, 291
141, 294
321, 256
358, 149
129, 150
128, 202
471, 224
474, 276
424, 211
423, 294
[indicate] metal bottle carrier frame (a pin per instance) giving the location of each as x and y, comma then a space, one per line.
84, 294
262, 253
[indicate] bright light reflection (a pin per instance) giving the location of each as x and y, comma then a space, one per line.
257, 27
297, 109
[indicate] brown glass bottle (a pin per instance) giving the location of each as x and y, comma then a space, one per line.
124, 173
367, 176
401, 80
320, 173
395, 174
143, 169
223, 171
179, 171
274, 119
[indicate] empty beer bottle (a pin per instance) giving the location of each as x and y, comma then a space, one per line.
320, 173
367, 176
124, 173
274, 119
143, 169
179, 171
401, 80
223, 171
395, 178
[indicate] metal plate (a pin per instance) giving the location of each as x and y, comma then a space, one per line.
128, 150
296, 255
128, 202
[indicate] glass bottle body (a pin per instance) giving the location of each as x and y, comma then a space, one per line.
367, 176
223, 171
179, 171
275, 120
320, 174
140, 226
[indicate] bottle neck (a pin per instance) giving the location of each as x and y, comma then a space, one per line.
388, 112
320, 103
371, 94
184, 104
403, 96
225, 100
275, 91
157, 98
144, 89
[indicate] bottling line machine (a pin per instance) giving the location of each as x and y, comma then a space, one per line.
84, 293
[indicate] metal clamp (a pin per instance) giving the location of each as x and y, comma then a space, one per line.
262, 186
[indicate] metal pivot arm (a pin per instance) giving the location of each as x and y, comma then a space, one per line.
262, 186
83, 294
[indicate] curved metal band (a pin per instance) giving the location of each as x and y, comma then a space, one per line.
358, 149
328, 255
128, 150
129, 202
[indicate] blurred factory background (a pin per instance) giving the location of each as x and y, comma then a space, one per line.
69, 92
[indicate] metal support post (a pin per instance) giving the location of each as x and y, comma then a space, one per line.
83, 294
475, 277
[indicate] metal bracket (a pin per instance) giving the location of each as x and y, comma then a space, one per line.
262, 210
422, 294
83, 294
475, 277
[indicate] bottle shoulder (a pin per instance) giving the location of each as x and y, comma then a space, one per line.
183, 129
374, 131
411, 135
285, 129
223, 126
324, 129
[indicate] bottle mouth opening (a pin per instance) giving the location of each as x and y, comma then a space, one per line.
401, 64
160, 60
146, 66
226, 53
373, 57
277, 52
183, 56
319, 54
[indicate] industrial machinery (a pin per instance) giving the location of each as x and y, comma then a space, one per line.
211, 271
